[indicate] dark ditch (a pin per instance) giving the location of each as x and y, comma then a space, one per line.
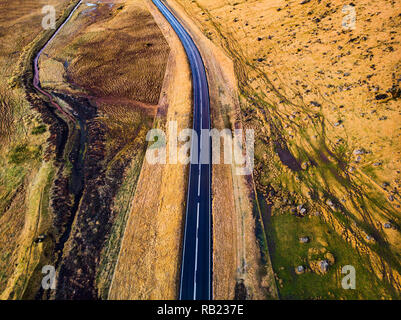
82, 191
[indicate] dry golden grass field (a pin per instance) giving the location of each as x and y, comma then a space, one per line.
325, 105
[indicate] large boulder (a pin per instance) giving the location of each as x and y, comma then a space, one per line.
300, 270
304, 239
324, 266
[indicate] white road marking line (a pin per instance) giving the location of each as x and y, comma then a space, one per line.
199, 180
200, 150
187, 40
196, 248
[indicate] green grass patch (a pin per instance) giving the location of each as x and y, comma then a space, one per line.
39, 129
22, 153
284, 231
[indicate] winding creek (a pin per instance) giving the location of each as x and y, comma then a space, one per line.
75, 154
36, 77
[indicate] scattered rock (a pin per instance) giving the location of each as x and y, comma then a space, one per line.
315, 104
324, 266
331, 204
320, 260
300, 270
304, 165
40, 239
370, 238
359, 151
304, 239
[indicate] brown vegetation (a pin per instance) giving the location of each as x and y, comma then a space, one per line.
106, 84
121, 55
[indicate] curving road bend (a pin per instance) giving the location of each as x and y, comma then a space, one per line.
196, 267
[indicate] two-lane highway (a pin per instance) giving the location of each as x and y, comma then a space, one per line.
196, 268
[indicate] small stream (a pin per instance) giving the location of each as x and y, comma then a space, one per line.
78, 132
36, 80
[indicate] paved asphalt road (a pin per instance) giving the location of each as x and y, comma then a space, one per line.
196, 265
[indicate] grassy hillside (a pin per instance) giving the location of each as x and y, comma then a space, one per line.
324, 103
106, 67
24, 173
59, 174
